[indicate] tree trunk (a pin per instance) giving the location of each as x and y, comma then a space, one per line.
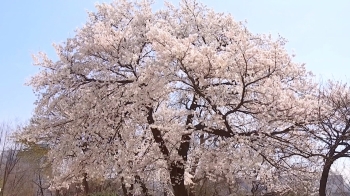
85, 185
142, 184
177, 179
192, 191
324, 177
40, 185
177, 169
125, 190
192, 187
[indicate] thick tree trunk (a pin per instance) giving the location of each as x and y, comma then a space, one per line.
177, 169
177, 179
125, 190
85, 185
324, 178
192, 191
143, 186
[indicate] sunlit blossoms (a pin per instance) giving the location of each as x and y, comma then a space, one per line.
177, 97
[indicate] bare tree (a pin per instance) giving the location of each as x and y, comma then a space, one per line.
11, 176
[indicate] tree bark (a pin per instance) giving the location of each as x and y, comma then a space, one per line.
40, 185
177, 169
177, 178
85, 185
125, 190
192, 188
324, 177
142, 184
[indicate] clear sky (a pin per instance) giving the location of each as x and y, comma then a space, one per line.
318, 32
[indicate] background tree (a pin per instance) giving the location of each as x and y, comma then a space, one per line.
331, 130
33, 157
12, 175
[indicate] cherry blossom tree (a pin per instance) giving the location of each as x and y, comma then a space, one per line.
176, 95
331, 129
328, 131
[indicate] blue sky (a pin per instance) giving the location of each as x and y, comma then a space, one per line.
318, 32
